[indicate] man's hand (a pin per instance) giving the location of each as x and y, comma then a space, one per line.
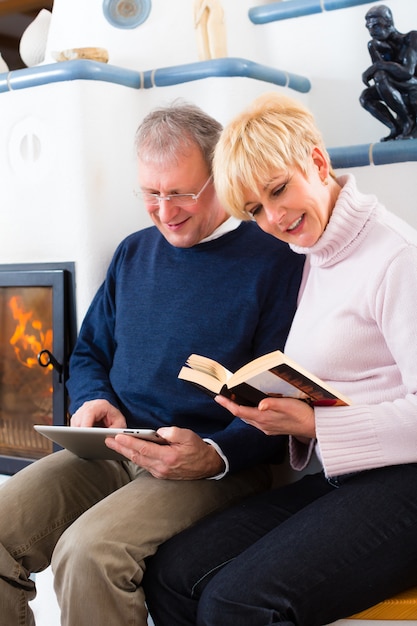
187, 457
98, 413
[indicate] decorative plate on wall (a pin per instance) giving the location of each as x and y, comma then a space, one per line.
126, 13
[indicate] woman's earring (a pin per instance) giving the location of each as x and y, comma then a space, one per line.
325, 181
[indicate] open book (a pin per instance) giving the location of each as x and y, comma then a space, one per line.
271, 375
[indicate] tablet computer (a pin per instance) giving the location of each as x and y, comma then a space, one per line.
88, 443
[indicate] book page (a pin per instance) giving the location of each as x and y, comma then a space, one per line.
271, 384
275, 373
209, 366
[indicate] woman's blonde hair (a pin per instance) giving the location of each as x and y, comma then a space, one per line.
274, 133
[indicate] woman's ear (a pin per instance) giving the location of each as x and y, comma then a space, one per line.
321, 163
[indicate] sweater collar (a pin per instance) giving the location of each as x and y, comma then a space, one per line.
352, 216
230, 224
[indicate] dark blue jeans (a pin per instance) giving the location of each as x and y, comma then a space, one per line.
305, 554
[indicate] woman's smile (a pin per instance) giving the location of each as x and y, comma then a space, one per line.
293, 227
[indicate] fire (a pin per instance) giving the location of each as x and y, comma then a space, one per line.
28, 338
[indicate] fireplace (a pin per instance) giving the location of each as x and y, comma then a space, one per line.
37, 333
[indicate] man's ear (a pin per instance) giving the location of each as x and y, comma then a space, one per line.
321, 163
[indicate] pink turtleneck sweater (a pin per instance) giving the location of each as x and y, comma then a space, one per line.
356, 328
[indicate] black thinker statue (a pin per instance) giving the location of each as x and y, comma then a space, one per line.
391, 80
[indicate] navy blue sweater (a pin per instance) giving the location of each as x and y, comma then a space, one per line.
231, 299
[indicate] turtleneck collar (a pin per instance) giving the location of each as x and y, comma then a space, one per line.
353, 213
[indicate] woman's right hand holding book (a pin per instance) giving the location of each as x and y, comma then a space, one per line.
276, 416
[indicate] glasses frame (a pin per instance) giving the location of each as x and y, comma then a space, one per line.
155, 199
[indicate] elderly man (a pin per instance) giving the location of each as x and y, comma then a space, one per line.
196, 281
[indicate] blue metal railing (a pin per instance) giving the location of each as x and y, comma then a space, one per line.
379, 153
297, 8
84, 69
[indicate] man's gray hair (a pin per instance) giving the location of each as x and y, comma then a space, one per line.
167, 132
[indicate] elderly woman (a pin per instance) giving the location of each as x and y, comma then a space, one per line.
344, 538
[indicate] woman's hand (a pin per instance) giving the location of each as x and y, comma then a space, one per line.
276, 416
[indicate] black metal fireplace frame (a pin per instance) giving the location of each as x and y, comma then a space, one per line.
61, 278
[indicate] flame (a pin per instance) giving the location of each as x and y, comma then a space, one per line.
28, 338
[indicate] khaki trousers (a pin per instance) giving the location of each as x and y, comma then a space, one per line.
97, 521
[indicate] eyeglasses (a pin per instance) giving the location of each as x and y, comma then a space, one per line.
179, 199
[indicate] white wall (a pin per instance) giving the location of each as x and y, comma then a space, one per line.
74, 201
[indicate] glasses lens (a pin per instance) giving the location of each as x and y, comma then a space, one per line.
179, 199
182, 200
150, 199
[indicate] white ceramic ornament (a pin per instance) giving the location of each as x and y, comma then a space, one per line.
32, 47
3, 65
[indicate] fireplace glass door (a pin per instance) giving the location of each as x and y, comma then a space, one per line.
34, 346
